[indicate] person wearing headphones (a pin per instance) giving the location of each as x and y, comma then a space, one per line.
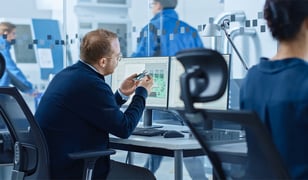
277, 88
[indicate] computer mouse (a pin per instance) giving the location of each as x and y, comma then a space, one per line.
172, 134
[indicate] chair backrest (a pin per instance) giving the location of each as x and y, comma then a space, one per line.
31, 159
2, 65
260, 159
255, 154
205, 78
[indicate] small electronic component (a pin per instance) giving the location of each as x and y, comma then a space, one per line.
141, 75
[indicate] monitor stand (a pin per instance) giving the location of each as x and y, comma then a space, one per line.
147, 119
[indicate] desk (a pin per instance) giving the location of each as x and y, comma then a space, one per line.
176, 147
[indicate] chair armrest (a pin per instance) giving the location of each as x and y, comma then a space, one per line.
91, 154
90, 158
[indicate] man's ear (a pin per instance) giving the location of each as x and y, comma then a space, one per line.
102, 62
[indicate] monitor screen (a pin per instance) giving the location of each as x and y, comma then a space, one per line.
158, 67
176, 69
24, 48
234, 95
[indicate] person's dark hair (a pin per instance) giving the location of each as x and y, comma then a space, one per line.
6, 27
168, 3
285, 17
96, 44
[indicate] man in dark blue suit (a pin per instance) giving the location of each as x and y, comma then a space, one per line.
78, 111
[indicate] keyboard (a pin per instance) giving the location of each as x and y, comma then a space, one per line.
215, 135
148, 131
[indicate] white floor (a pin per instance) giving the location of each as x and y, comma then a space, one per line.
166, 169
5, 172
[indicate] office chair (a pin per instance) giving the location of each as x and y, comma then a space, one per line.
31, 158
2, 65
204, 80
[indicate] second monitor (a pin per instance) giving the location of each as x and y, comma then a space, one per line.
176, 69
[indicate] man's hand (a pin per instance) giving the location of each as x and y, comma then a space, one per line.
147, 82
34, 93
129, 85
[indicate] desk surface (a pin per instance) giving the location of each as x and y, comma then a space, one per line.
182, 143
178, 148
188, 144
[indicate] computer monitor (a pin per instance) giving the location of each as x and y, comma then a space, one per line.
174, 101
234, 93
158, 67
24, 49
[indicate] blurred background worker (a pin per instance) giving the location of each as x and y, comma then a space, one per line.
165, 35
13, 75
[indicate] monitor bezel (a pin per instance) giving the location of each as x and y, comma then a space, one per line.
227, 91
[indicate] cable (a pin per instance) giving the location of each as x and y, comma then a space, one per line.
225, 24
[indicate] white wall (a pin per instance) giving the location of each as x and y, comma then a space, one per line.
197, 12
140, 13
22, 9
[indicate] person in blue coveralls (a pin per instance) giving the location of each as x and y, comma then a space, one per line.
165, 35
277, 88
12, 75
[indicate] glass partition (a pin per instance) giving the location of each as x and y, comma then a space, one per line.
48, 32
